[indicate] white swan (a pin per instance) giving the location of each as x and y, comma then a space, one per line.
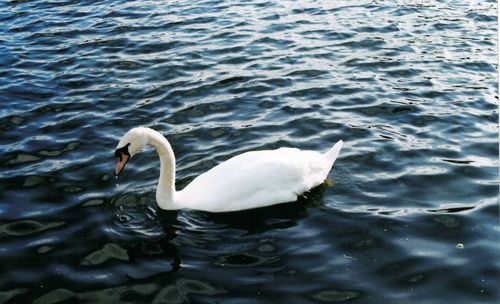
249, 180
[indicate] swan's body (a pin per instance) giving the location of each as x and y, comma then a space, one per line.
249, 180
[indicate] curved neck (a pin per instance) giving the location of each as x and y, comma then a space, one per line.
165, 192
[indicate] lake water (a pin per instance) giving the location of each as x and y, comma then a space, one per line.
410, 214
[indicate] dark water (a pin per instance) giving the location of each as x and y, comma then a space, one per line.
411, 87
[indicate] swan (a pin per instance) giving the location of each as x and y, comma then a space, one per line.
249, 180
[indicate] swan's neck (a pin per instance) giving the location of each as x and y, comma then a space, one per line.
165, 192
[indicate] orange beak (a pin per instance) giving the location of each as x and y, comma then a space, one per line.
122, 161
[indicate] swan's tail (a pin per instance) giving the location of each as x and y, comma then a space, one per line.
333, 153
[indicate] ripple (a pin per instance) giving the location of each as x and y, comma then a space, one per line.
335, 296
243, 260
179, 292
26, 227
410, 88
98, 296
109, 251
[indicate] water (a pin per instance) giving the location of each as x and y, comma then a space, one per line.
411, 212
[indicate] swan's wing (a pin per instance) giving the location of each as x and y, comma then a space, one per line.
256, 179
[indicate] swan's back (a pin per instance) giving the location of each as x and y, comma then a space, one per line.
257, 179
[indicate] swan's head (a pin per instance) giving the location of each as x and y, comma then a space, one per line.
130, 143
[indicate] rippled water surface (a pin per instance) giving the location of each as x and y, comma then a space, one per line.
410, 214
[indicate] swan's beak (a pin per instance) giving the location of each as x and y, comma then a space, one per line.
120, 165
